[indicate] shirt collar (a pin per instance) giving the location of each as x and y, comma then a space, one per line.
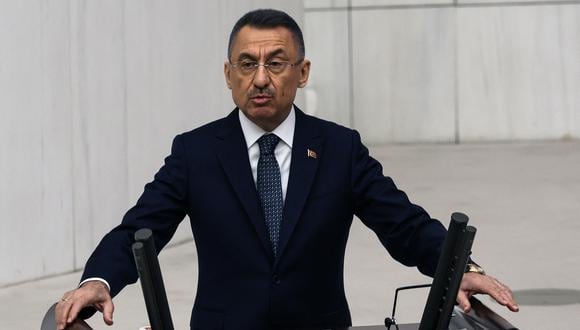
252, 132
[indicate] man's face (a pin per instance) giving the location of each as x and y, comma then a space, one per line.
265, 97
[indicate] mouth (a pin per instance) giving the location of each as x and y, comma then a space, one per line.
261, 99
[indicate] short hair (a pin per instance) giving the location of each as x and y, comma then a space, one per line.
268, 18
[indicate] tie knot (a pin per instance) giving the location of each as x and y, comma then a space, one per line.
267, 143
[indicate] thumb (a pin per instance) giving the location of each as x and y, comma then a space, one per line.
463, 301
108, 309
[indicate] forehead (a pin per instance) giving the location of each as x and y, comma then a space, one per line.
258, 41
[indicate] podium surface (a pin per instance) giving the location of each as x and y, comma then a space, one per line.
479, 318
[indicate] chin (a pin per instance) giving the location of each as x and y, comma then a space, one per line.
264, 112
266, 117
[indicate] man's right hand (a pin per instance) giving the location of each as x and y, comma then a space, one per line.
91, 293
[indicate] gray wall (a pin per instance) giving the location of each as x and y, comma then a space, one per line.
91, 95
444, 70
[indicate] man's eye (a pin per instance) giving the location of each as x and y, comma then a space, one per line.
248, 65
276, 64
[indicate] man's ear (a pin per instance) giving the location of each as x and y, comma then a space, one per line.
227, 72
304, 73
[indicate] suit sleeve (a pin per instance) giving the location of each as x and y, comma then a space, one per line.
160, 208
405, 229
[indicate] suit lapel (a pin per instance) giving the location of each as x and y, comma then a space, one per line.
302, 172
232, 152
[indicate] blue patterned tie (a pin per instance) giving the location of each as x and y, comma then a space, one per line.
270, 187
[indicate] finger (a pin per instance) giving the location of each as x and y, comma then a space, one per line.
504, 296
513, 307
510, 301
76, 307
502, 292
463, 301
108, 309
62, 311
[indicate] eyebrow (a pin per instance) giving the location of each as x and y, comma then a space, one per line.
276, 52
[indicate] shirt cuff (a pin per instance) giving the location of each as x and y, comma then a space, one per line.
96, 279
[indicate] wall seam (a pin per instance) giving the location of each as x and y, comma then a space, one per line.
72, 132
453, 4
125, 103
350, 66
456, 75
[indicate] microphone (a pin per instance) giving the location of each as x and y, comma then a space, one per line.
390, 321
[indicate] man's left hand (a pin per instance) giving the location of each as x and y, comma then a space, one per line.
473, 283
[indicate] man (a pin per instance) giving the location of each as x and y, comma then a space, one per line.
271, 193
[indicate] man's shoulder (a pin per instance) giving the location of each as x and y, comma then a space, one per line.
208, 130
326, 125
328, 128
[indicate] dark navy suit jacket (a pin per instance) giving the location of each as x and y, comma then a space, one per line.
241, 285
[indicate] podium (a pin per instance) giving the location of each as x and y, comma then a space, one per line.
439, 314
480, 317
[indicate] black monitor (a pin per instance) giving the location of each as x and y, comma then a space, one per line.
151, 280
450, 269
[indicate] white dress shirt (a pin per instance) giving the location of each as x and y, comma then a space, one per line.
283, 151
252, 132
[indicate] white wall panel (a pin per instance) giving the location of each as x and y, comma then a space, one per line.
404, 75
56, 218
35, 149
328, 90
519, 72
100, 119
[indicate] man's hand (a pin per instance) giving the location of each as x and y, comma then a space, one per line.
92, 293
473, 283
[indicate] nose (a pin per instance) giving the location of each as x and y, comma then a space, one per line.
261, 77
